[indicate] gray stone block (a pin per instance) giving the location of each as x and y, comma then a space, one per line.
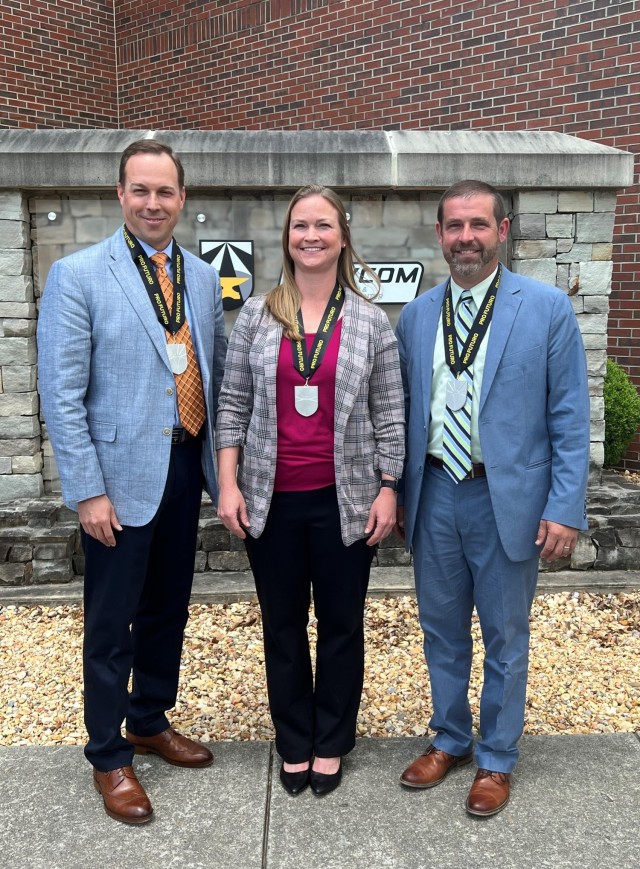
559, 225
19, 446
535, 202
593, 323
18, 351
595, 278
14, 573
593, 340
200, 564
26, 464
528, 226
575, 200
576, 253
227, 561
18, 426
630, 537
14, 233
20, 552
59, 570
539, 269
13, 206
596, 227
596, 304
400, 213
534, 249
5, 464
19, 378
15, 262
16, 288
21, 486
213, 536
19, 404
53, 551
604, 200
18, 328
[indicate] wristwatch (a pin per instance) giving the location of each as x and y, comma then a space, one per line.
389, 484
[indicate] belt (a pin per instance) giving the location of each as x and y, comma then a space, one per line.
180, 435
476, 470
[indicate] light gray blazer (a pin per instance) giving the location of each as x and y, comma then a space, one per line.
107, 390
369, 412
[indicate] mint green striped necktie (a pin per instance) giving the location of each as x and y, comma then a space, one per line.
456, 434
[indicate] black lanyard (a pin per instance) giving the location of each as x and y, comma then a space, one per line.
171, 320
459, 362
303, 362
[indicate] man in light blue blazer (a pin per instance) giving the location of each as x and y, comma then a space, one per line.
497, 410
131, 354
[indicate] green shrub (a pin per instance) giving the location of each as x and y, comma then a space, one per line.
621, 413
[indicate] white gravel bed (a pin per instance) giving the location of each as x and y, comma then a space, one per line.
584, 673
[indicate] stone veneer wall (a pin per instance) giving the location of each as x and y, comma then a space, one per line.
561, 237
561, 233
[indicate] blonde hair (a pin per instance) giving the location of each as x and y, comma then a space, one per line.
283, 301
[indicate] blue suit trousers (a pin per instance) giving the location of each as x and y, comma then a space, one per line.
460, 563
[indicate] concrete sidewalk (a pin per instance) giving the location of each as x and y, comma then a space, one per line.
575, 804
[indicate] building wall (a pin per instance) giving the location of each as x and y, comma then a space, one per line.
344, 64
57, 64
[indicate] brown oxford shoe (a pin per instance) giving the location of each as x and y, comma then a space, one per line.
489, 793
123, 795
430, 768
172, 747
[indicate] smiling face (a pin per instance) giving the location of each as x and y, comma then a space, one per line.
151, 198
470, 238
315, 237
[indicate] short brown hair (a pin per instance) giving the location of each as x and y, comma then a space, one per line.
467, 189
149, 146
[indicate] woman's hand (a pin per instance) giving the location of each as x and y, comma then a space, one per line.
382, 517
233, 510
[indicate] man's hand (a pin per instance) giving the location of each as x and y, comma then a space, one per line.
98, 519
559, 540
398, 528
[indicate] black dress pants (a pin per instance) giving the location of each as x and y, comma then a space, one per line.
136, 597
301, 547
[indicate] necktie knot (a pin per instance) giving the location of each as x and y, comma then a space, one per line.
159, 260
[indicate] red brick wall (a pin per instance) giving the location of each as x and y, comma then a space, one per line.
57, 64
345, 64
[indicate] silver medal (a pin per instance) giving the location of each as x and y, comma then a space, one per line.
306, 399
456, 393
177, 357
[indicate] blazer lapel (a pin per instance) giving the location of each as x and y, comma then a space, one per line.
350, 365
427, 331
127, 277
507, 304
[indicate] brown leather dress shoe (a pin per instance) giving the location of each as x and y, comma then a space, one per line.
172, 747
430, 768
489, 793
123, 795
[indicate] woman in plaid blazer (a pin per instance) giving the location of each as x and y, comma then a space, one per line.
310, 439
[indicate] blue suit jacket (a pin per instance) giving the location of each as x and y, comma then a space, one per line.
534, 409
107, 390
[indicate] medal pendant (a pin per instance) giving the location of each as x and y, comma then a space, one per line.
177, 357
306, 399
456, 396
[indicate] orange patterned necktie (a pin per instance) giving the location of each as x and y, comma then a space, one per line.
191, 407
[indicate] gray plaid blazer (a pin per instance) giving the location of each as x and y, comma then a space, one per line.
369, 409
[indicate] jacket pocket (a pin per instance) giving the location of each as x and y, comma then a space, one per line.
102, 431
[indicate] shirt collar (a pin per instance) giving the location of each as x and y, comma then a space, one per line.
477, 293
150, 251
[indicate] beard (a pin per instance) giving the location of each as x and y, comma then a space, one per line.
468, 268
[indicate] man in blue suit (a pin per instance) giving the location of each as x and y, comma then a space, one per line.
131, 354
495, 476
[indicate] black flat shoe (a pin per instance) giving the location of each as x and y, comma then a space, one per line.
294, 782
323, 783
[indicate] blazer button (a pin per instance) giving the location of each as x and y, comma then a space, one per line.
166, 431
169, 391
